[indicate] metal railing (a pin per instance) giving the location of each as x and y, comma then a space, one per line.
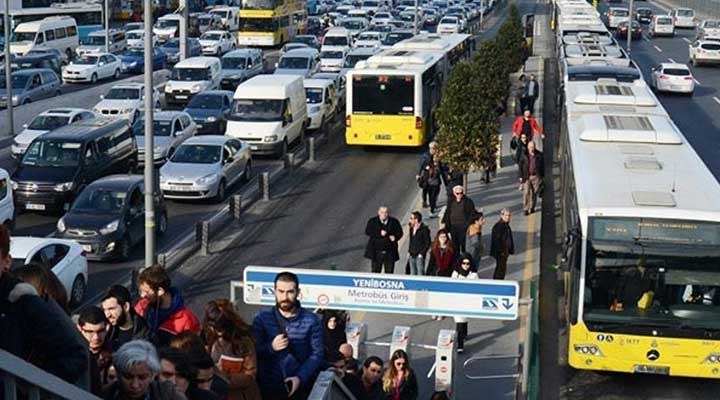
20, 379
328, 386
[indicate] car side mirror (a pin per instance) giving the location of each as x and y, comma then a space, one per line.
276, 65
102, 97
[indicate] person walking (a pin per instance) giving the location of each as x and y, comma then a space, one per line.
528, 125
427, 159
431, 178
473, 239
457, 216
124, 323
383, 233
442, 255
532, 91
532, 171
452, 178
371, 379
464, 270
419, 243
519, 94
520, 147
399, 381
502, 244
289, 343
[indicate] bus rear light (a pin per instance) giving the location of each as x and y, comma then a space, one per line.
418, 123
348, 123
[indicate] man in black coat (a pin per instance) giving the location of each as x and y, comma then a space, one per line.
532, 170
124, 323
383, 232
502, 244
458, 216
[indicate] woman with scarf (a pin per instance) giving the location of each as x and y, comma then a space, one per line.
333, 336
464, 270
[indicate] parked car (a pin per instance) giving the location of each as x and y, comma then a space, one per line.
622, 30
30, 85
170, 129
171, 48
643, 15
240, 65
65, 258
704, 52
108, 217
683, 17
661, 25
125, 100
216, 43
204, 167
92, 67
45, 122
673, 77
209, 110
304, 62
133, 60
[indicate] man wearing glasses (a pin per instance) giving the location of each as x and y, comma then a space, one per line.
458, 216
502, 244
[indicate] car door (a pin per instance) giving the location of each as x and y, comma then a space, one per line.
52, 257
135, 215
227, 101
35, 90
228, 163
240, 157
189, 127
92, 169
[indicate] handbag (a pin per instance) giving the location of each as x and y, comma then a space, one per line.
513, 143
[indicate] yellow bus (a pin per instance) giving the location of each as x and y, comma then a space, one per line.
391, 96
271, 22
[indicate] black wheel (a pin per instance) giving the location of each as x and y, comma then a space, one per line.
93, 78
123, 251
247, 173
77, 292
220, 195
162, 224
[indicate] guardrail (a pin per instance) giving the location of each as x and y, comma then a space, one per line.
328, 386
22, 380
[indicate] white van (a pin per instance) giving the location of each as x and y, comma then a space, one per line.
683, 17
662, 25
192, 76
167, 27
7, 206
50, 33
336, 39
321, 100
95, 42
229, 17
269, 112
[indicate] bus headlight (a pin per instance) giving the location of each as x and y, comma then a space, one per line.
588, 349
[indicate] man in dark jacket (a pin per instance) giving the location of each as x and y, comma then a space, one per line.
371, 379
32, 329
458, 216
93, 327
502, 244
418, 245
532, 171
124, 323
289, 344
383, 233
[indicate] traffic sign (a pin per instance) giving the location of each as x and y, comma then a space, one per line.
401, 294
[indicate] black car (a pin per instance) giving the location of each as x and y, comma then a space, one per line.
209, 110
622, 30
643, 15
108, 217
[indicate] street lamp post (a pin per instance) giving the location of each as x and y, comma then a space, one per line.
107, 26
629, 28
150, 181
183, 29
415, 24
8, 71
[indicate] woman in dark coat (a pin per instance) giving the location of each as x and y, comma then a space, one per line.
399, 381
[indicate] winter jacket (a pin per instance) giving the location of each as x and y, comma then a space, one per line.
466, 207
419, 242
156, 391
524, 165
408, 389
37, 332
139, 330
534, 127
378, 243
163, 324
441, 262
457, 275
302, 358
474, 245
501, 243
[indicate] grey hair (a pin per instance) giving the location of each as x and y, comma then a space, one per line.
136, 352
505, 210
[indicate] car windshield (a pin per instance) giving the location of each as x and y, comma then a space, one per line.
335, 41
206, 102
211, 36
52, 153
219, 13
394, 37
351, 60
94, 41
293, 63
449, 20
18, 82
644, 11
160, 127
293, 46
23, 37
100, 201
189, 74
314, 95
233, 62
308, 40
172, 44
167, 23
85, 60
48, 122
369, 36
257, 110
331, 54
685, 13
197, 154
123, 94
134, 35
370, 4
711, 24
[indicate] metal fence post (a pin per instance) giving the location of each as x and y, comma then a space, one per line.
311, 149
289, 161
202, 235
264, 183
236, 206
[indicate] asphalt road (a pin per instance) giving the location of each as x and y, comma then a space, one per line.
699, 119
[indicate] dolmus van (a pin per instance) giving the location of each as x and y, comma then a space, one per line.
49, 33
190, 77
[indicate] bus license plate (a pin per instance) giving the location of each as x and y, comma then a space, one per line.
385, 136
31, 206
652, 369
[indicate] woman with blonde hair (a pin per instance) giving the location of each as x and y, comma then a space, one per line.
231, 346
399, 382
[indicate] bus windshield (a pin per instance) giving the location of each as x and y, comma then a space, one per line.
383, 95
652, 272
261, 4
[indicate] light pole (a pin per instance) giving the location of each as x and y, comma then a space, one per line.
629, 28
149, 146
482, 13
8, 72
107, 26
415, 24
183, 29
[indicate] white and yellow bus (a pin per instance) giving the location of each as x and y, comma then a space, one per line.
271, 22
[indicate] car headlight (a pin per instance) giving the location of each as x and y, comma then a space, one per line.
64, 187
15, 99
132, 64
61, 225
168, 86
211, 119
110, 228
196, 87
271, 138
208, 179
159, 151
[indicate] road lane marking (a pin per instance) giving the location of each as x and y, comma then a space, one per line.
527, 275
657, 48
686, 40
716, 99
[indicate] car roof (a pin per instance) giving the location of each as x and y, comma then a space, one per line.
166, 115
86, 129
63, 111
675, 65
117, 182
242, 52
218, 92
20, 246
307, 52
207, 139
215, 31
31, 71
129, 85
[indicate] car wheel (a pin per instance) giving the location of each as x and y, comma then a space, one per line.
93, 78
247, 173
117, 74
220, 195
77, 292
123, 251
162, 224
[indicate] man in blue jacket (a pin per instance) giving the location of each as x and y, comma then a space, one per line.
289, 344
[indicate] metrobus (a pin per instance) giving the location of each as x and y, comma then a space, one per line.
271, 22
456, 47
88, 16
641, 217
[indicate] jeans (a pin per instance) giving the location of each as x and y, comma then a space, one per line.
417, 265
433, 193
457, 235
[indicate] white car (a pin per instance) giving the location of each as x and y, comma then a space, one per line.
204, 166
616, 15
709, 27
369, 39
382, 18
170, 129
448, 25
704, 52
216, 43
661, 25
683, 17
91, 67
65, 258
125, 100
136, 38
322, 101
45, 122
673, 77
332, 60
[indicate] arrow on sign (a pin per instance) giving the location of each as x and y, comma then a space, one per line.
507, 304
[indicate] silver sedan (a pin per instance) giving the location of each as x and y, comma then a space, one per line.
204, 166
